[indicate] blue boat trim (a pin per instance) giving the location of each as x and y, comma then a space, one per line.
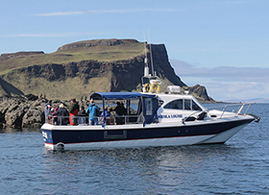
88, 136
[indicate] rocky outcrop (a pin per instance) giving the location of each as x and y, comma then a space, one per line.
200, 93
99, 42
18, 112
162, 65
21, 54
26, 111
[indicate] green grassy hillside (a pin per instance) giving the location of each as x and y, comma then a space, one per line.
99, 50
80, 68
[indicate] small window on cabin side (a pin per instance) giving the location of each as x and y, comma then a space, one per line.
195, 106
176, 104
187, 104
149, 107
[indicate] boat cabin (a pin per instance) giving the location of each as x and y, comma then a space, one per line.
177, 107
126, 107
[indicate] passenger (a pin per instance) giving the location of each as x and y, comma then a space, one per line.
120, 111
73, 112
93, 111
62, 115
47, 109
124, 111
105, 117
53, 110
82, 115
105, 113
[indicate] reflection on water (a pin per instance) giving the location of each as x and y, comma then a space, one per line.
156, 170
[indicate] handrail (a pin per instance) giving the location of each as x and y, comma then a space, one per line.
248, 107
242, 106
111, 120
223, 111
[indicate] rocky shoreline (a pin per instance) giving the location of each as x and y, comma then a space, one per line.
25, 111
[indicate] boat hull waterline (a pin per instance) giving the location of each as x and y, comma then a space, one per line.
139, 135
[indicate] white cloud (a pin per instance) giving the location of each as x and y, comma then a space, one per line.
113, 11
62, 13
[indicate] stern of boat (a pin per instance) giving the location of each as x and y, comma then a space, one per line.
47, 135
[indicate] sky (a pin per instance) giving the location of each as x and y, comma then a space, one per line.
220, 44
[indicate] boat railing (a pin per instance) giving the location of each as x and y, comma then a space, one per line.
242, 110
237, 109
84, 120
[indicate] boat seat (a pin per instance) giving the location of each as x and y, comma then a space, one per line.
190, 118
201, 116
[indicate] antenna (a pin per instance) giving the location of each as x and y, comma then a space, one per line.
146, 69
151, 58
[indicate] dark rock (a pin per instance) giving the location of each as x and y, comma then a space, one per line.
33, 118
18, 112
14, 115
31, 97
200, 93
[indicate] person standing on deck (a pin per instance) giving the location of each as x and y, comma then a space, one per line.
93, 111
73, 111
47, 109
62, 115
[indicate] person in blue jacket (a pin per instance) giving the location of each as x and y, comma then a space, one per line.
93, 111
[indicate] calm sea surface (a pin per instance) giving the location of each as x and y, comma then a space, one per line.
240, 166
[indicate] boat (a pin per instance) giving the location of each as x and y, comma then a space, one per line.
151, 118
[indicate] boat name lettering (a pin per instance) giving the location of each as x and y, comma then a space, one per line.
170, 116
45, 135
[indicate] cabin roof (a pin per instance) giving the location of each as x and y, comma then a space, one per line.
119, 95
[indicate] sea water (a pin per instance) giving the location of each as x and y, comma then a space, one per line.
240, 166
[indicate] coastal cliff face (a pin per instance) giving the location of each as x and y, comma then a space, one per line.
76, 70
79, 78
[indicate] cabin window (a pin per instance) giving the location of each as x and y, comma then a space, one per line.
160, 103
187, 104
178, 105
148, 105
195, 106
134, 107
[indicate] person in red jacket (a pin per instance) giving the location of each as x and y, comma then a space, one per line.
73, 111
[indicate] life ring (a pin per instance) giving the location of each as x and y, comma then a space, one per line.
147, 87
155, 87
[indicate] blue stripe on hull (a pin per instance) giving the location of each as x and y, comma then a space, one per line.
84, 136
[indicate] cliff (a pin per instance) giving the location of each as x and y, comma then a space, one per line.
78, 69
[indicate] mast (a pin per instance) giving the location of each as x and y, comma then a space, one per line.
150, 82
146, 68
151, 61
